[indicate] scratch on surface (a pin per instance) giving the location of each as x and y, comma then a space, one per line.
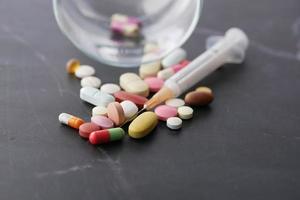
257, 45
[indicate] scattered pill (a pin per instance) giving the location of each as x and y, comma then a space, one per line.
185, 112
204, 89
164, 112
105, 136
198, 98
86, 129
110, 88
125, 25
142, 125
99, 110
129, 108
174, 57
149, 69
84, 71
136, 99
132, 83
154, 83
174, 123
95, 96
176, 102
90, 81
151, 47
115, 113
72, 65
168, 72
102, 121
70, 120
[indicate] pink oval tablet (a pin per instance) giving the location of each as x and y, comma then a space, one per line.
154, 83
164, 112
102, 121
86, 129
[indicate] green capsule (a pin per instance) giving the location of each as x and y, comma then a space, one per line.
116, 134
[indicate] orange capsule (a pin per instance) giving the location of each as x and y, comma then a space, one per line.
72, 65
70, 120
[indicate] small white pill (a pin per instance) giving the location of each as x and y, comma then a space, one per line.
84, 71
95, 96
174, 58
129, 108
185, 112
99, 110
174, 123
110, 88
90, 81
176, 102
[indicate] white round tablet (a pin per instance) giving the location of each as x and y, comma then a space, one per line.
84, 71
129, 108
90, 81
110, 88
99, 110
176, 102
174, 123
185, 112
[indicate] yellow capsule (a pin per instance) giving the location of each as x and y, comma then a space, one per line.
72, 65
142, 125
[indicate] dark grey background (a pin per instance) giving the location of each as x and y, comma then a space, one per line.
245, 146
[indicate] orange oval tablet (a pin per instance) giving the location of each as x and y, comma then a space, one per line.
115, 113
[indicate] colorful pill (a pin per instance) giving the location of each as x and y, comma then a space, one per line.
164, 112
95, 96
103, 122
132, 83
149, 69
185, 112
105, 136
99, 110
115, 113
90, 81
176, 102
72, 65
84, 71
70, 120
129, 108
154, 83
204, 89
196, 98
87, 128
174, 58
168, 72
136, 99
110, 88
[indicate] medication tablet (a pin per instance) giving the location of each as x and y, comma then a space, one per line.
84, 71
174, 57
72, 65
132, 83
176, 102
86, 129
136, 99
142, 125
149, 69
196, 98
70, 120
105, 136
154, 83
110, 88
115, 113
203, 89
185, 112
95, 96
129, 108
102, 121
164, 112
174, 123
99, 110
90, 81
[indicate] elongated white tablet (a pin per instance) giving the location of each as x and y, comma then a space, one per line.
174, 58
129, 108
176, 102
84, 71
110, 88
95, 96
174, 123
90, 81
99, 110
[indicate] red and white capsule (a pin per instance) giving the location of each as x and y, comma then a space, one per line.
70, 120
168, 72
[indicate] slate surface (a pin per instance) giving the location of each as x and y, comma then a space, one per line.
245, 146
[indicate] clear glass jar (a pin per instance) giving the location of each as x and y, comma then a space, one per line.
165, 23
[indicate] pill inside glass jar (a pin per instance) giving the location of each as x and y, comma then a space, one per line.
166, 25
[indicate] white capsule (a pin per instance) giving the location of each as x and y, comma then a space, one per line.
174, 57
95, 96
84, 71
99, 110
174, 123
90, 81
110, 88
64, 118
129, 108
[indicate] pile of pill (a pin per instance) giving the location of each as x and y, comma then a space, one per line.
123, 25
116, 104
